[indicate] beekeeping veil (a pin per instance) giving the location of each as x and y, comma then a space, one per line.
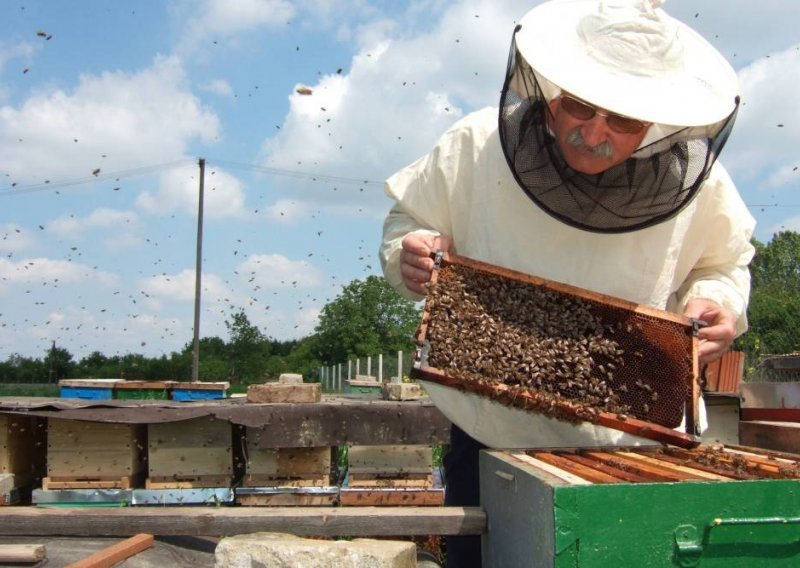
631, 58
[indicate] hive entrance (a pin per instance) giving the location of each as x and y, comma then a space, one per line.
572, 353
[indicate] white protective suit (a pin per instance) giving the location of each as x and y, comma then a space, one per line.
465, 189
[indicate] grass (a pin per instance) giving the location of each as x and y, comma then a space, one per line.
29, 390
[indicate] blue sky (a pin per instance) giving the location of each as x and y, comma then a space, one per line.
105, 108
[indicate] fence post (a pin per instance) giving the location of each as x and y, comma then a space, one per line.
358, 366
399, 367
369, 365
380, 367
349, 368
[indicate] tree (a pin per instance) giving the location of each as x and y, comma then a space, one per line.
58, 362
248, 349
774, 310
368, 317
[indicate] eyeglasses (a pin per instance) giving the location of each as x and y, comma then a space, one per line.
616, 122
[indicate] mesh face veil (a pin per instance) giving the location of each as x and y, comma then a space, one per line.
651, 186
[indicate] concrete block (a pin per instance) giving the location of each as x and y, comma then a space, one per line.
288, 551
401, 391
290, 379
278, 392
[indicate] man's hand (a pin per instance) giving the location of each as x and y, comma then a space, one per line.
416, 265
716, 338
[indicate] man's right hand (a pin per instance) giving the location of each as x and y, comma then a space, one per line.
416, 264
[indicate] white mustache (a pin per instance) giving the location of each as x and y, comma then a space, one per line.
575, 138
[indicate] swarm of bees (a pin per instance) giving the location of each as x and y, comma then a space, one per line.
564, 352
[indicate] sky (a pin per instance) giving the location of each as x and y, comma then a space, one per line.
106, 109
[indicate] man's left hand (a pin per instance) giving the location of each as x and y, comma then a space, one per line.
716, 338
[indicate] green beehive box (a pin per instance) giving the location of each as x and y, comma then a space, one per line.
363, 384
540, 515
142, 390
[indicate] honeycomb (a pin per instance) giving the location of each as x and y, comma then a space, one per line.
568, 353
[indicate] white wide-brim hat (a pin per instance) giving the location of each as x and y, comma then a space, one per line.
629, 57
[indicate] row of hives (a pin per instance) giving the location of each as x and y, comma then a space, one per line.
59, 454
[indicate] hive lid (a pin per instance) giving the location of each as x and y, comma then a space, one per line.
553, 385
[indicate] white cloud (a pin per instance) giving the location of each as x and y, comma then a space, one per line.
164, 289
71, 227
767, 132
273, 271
142, 118
219, 87
212, 20
223, 194
11, 51
403, 89
40, 270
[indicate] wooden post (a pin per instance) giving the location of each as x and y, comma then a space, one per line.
358, 365
369, 365
380, 367
198, 272
349, 369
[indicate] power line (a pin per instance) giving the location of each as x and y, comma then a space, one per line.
123, 174
144, 170
296, 173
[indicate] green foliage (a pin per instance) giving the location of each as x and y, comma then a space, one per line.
368, 317
774, 310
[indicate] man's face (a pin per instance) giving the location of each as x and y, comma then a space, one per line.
590, 146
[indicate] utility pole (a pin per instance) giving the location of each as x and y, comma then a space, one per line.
198, 270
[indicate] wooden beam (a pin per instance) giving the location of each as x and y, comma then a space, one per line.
21, 553
227, 521
116, 553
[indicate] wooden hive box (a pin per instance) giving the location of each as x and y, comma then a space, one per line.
391, 475
22, 448
656, 508
199, 391
266, 465
93, 455
190, 453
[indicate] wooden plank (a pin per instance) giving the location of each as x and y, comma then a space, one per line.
706, 465
190, 448
622, 475
712, 474
117, 553
287, 500
652, 472
581, 470
100, 482
390, 497
570, 478
188, 482
22, 553
312, 480
227, 521
389, 459
410, 480
681, 469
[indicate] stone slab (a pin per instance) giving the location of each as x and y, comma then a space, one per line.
279, 392
402, 391
284, 551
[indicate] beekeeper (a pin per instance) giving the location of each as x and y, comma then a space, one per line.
599, 170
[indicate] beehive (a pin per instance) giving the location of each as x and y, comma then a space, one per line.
82, 454
556, 349
713, 507
267, 465
190, 453
22, 448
